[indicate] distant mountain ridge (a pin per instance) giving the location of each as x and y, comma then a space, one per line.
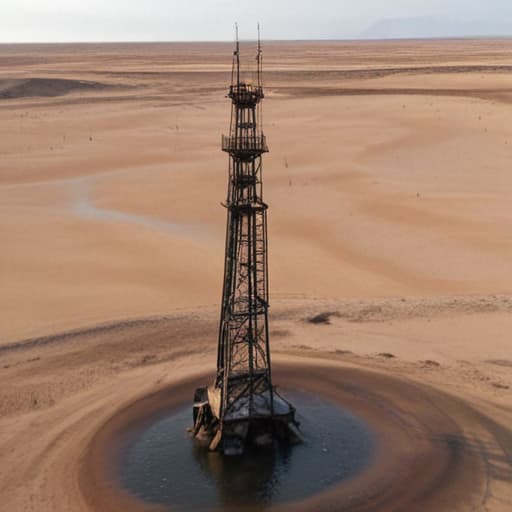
425, 27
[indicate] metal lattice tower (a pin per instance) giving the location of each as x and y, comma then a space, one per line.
243, 363
243, 404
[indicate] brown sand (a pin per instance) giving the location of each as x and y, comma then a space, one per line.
389, 185
445, 441
423, 457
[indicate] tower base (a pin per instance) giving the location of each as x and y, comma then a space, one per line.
238, 429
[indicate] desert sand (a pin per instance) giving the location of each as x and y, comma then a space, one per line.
389, 188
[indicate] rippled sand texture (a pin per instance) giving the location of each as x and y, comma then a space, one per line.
390, 189
389, 175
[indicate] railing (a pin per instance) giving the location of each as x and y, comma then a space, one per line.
245, 145
246, 94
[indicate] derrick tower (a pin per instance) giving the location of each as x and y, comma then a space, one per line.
242, 404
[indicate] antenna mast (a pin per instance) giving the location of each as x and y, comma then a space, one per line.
259, 59
237, 52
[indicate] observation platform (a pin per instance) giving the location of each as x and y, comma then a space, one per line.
247, 206
251, 146
246, 95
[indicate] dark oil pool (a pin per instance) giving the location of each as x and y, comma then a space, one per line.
164, 465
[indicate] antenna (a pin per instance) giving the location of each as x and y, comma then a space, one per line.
237, 53
258, 58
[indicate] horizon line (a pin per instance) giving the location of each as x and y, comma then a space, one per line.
270, 40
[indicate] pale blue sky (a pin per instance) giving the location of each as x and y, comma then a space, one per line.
175, 20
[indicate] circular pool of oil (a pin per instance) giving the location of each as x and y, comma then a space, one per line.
163, 465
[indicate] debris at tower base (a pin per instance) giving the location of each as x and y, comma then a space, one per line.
269, 418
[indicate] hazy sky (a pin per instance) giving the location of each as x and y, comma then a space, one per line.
169, 20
